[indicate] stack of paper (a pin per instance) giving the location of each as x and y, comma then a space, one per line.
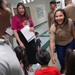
9, 31
27, 33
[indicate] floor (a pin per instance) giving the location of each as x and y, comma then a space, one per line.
43, 31
44, 36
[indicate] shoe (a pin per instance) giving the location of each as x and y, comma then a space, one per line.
62, 71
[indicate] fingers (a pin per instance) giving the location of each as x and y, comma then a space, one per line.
53, 60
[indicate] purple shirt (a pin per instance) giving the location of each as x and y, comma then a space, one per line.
17, 24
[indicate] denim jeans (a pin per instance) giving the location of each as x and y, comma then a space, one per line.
74, 40
61, 52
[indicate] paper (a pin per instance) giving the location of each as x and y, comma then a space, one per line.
9, 31
27, 33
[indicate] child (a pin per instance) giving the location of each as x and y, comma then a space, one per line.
43, 58
20, 52
37, 41
70, 62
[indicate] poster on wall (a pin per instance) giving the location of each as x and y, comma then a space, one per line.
40, 12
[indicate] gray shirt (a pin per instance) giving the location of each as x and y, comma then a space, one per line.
9, 64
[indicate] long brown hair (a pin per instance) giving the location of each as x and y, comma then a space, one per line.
65, 17
25, 12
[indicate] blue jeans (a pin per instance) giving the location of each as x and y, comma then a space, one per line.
61, 52
74, 24
74, 40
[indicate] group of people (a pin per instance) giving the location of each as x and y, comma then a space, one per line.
26, 51
62, 37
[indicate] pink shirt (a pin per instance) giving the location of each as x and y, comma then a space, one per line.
17, 24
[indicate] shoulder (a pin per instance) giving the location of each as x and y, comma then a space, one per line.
37, 72
71, 5
15, 17
53, 68
70, 21
53, 28
49, 12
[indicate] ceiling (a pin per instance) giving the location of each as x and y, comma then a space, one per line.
16, 1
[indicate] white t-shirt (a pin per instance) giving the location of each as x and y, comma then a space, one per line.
9, 64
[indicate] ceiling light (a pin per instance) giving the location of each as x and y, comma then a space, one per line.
24, 1
28, 1
32, 0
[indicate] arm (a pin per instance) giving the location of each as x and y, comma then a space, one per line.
72, 29
49, 21
52, 48
14, 27
18, 39
52, 43
31, 25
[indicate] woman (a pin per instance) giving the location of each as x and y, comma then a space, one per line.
19, 21
61, 36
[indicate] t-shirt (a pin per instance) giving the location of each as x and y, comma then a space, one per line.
48, 71
62, 33
18, 24
9, 64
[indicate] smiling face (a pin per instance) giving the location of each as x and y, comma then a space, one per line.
21, 10
59, 17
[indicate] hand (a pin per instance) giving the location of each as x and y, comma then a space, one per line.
22, 45
53, 60
31, 29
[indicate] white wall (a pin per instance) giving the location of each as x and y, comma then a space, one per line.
47, 4
73, 1
34, 13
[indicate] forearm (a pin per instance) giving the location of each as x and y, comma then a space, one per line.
17, 36
52, 48
49, 23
